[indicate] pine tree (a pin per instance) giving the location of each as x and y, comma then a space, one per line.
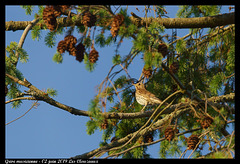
194, 74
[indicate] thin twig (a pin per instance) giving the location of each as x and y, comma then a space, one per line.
230, 141
34, 104
115, 91
125, 71
21, 98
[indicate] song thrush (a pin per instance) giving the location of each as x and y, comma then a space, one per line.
144, 97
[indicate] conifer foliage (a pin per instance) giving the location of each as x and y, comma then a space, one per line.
194, 74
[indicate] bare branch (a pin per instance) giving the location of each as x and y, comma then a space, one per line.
21, 98
24, 35
34, 104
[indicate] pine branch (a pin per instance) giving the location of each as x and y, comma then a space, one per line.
121, 141
42, 96
189, 93
220, 149
154, 142
197, 22
224, 98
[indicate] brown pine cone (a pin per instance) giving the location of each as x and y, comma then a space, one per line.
192, 141
147, 72
170, 133
93, 56
89, 19
162, 48
62, 47
206, 122
116, 23
70, 42
49, 17
72, 51
80, 52
104, 125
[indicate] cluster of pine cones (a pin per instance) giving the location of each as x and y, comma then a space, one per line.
69, 44
170, 133
116, 23
50, 13
192, 141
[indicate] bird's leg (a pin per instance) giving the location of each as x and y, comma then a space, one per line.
144, 108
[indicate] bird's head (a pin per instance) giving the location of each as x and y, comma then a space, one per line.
137, 84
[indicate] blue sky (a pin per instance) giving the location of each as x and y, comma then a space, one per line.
49, 132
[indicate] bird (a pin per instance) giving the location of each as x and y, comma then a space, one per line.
144, 97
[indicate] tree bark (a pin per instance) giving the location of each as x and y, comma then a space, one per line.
197, 22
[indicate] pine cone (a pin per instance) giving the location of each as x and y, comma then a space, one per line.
162, 48
89, 19
170, 133
93, 56
147, 72
50, 13
62, 47
174, 67
104, 125
70, 42
49, 17
80, 52
206, 122
192, 141
117, 22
